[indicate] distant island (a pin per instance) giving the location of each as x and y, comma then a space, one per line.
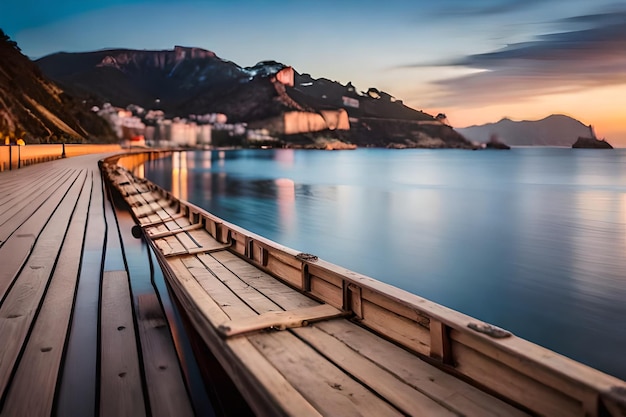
554, 130
592, 143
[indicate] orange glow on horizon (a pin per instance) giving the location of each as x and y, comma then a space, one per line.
598, 107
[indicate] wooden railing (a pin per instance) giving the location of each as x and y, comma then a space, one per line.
14, 156
518, 371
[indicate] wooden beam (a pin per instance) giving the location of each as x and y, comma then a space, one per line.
279, 320
121, 393
440, 347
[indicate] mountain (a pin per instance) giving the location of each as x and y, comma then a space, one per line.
554, 130
192, 81
36, 110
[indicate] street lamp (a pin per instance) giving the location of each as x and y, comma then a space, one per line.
20, 143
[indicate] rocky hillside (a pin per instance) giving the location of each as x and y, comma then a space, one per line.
36, 110
554, 130
188, 81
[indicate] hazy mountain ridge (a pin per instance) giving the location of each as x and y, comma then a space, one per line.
188, 81
36, 110
554, 130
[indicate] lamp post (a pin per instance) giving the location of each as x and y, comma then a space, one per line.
20, 143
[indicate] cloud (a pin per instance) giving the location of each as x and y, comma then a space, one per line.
591, 55
483, 8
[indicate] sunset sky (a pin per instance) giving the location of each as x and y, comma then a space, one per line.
477, 61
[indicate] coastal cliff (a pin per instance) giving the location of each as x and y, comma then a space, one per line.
36, 110
268, 96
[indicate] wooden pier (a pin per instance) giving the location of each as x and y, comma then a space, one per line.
86, 329
78, 336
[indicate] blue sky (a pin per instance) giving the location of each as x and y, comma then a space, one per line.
477, 61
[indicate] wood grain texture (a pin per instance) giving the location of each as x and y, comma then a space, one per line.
279, 320
166, 388
326, 387
20, 306
42, 355
121, 393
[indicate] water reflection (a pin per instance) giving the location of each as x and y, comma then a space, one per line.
286, 198
179, 175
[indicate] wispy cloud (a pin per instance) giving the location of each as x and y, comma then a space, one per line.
589, 55
483, 8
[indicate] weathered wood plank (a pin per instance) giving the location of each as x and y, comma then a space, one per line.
396, 327
19, 307
21, 186
387, 385
432, 382
228, 301
121, 393
41, 359
279, 320
284, 296
325, 386
166, 388
278, 389
186, 241
518, 387
154, 234
258, 301
77, 386
29, 200
208, 309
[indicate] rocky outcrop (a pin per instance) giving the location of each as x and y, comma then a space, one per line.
591, 143
495, 143
36, 110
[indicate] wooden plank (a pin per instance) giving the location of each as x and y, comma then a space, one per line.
186, 241
159, 221
205, 240
165, 233
228, 301
170, 246
166, 388
77, 386
21, 186
326, 292
207, 308
22, 302
44, 202
279, 320
195, 251
276, 387
284, 296
398, 328
404, 397
42, 356
121, 393
325, 386
22, 206
258, 301
432, 382
518, 387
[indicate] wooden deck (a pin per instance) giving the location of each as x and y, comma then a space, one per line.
300, 336
83, 329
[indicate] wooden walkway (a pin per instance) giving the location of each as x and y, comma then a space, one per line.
83, 329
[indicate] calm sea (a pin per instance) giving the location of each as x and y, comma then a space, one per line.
532, 239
